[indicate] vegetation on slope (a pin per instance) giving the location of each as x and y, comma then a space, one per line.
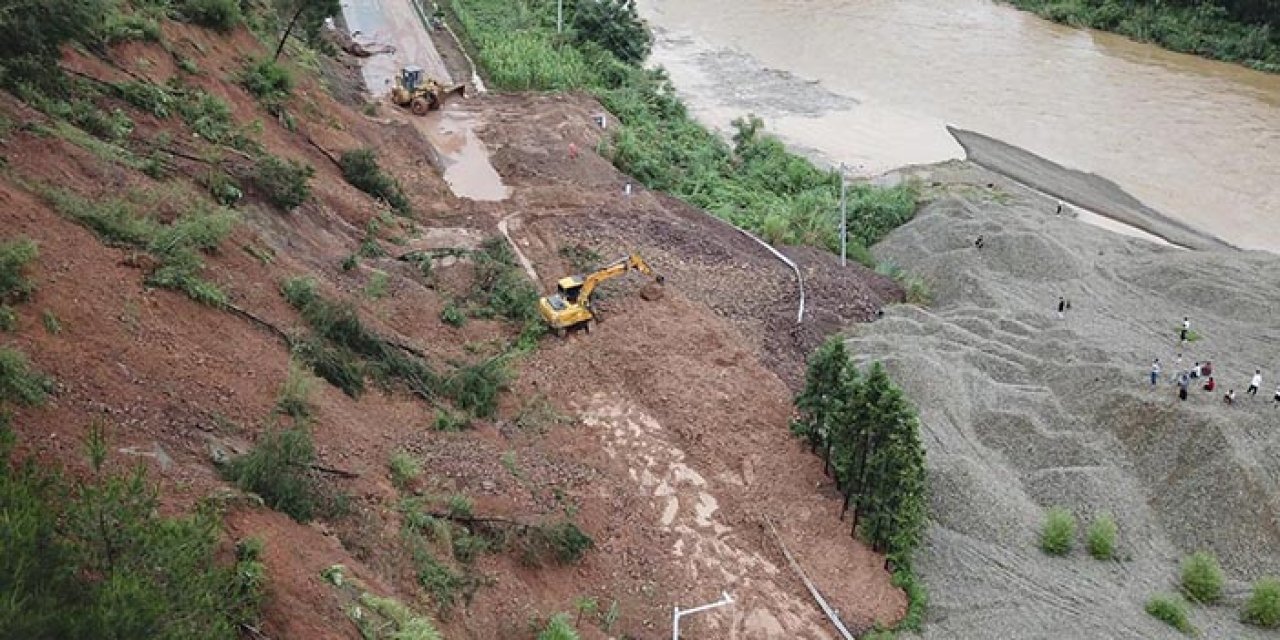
869, 439
1244, 31
754, 183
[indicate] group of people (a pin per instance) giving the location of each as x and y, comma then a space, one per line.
1202, 370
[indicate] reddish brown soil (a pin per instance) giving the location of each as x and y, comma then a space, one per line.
702, 374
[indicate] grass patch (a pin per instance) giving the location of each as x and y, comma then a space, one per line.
8, 318
52, 325
1263, 606
1101, 537
403, 623
219, 15
1171, 611
20, 383
558, 628
451, 421
1202, 577
376, 288
404, 469
360, 169
475, 388
15, 255
267, 81
1059, 532
501, 287
176, 246
279, 470
295, 394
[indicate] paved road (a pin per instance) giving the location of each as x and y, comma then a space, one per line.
396, 23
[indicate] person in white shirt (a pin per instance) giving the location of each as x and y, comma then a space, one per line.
1186, 326
1255, 383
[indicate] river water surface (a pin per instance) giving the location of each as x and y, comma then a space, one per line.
873, 83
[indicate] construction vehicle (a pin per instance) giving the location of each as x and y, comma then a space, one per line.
570, 306
420, 94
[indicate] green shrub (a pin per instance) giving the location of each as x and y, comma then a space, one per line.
220, 15
404, 624
295, 393
1101, 537
558, 628
127, 27
1171, 611
95, 559
51, 323
1202, 578
360, 168
267, 80
562, 542
475, 388
15, 255
452, 421
1059, 533
1263, 606
460, 506
452, 315
8, 318
151, 98
207, 115
278, 469
614, 25
19, 382
282, 182
404, 469
376, 288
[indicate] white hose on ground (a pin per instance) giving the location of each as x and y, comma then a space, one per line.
790, 263
813, 591
524, 262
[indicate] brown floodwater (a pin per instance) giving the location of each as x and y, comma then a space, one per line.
872, 83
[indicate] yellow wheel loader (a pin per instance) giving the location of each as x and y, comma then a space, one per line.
570, 306
420, 94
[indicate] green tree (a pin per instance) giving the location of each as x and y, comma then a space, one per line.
819, 402
92, 559
614, 25
37, 28
307, 14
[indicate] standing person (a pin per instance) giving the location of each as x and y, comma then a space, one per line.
1058, 211
978, 243
1155, 371
1230, 398
1210, 385
1278, 395
1255, 383
1183, 381
1062, 305
1195, 371
1186, 327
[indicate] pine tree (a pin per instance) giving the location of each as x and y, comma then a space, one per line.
819, 401
875, 411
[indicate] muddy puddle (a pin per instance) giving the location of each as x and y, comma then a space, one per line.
467, 168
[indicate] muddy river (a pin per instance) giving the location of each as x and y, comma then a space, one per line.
872, 83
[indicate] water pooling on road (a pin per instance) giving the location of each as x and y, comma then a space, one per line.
398, 24
874, 82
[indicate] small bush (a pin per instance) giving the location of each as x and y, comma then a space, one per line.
475, 388
1171, 611
452, 315
51, 323
562, 542
1101, 537
404, 469
208, 116
282, 182
1059, 533
220, 15
295, 393
8, 318
376, 288
19, 382
266, 80
151, 98
360, 168
558, 628
460, 506
452, 421
1202, 578
128, 27
1263, 606
278, 469
15, 286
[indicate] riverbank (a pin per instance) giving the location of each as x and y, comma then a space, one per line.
1203, 30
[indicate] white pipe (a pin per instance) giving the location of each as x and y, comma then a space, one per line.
676, 614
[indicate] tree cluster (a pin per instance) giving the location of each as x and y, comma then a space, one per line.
869, 440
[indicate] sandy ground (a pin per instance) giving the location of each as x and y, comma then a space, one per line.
1022, 411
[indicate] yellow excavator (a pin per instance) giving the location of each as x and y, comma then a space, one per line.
570, 305
420, 94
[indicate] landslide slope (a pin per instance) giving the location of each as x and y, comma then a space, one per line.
1022, 411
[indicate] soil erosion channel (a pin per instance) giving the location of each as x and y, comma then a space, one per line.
873, 83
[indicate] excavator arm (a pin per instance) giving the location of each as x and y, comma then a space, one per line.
571, 305
612, 270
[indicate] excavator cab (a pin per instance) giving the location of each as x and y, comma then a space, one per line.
569, 288
411, 78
